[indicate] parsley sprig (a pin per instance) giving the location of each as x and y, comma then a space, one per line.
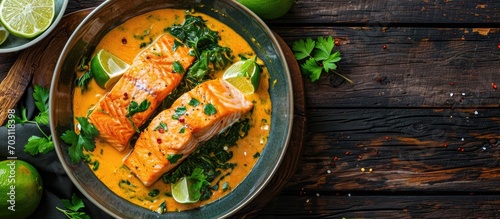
73, 208
79, 142
319, 57
36, 144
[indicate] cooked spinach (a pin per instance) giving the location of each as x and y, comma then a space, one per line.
212, 157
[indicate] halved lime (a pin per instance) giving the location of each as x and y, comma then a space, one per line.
107, 68
27, 18
244, 75
180, 191
3, 34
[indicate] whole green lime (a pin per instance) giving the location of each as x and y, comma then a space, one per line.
268, 9
21, 189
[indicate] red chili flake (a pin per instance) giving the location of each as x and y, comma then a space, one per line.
125, 96
493, 85
459, 149
498, 46
181, 120
158, 140
445, 145
463, 149
359, 157
452, 83
384, 47
335, 158
161, 130
387, 138
337, 43
347, 153
124, 40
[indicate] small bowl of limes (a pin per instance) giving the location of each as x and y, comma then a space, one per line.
23, 23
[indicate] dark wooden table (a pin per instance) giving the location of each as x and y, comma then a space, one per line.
418, 133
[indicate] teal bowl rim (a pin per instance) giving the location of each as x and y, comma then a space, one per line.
245, 190
31, 42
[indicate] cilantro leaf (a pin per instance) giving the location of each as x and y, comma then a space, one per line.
178, 67
73, 208
135, 107
42, 118
209, 109
84, 80
303, 48
38, 145
41, 96
324, 47
312, 69
198, 180
79, 142
320, 57
329, 63
23, 119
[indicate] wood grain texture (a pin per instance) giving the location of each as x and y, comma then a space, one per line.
393, 12
416, 69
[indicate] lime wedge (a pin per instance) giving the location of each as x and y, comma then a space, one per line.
4, 34
244, 75
27, 18
180, 191
107, 68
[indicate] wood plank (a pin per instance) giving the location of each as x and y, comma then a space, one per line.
389, 12
313, 204
406, 149
420, 67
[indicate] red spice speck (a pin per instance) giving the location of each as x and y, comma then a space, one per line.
387, 138
335, 158
158, 140
462, 150
125, 96
384, 47
161, 130
493, 85
337, 43
498, 46
452, 83
445, 145
459, 149
124, 40
359, 157
347, 153
181, 119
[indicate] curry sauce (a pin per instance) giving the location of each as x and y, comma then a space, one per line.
126, 41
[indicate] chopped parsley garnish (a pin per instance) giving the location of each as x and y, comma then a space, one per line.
134, 107
209, 109
183, 129
161, 126
194, 102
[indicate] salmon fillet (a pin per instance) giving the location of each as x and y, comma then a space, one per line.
149, 79
193, 118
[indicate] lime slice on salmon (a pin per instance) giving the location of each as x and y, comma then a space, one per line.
3, 34
180, 191
244, 75
27, 18
107, 68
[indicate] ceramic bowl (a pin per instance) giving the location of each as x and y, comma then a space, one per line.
14, 44
114, 12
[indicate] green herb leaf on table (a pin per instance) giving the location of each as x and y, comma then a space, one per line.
317, 57
73, 208
198, 181
38, 145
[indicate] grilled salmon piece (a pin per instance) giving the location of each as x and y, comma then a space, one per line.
199, 114
150, 79
163, 144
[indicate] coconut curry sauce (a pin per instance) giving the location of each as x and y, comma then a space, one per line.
126, 41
